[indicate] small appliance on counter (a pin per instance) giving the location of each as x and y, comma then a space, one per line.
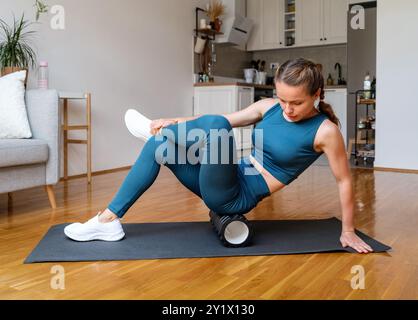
261, 77
255, 76
249, 75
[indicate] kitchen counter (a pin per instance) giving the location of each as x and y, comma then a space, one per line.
257, 86
335, 87
241, 84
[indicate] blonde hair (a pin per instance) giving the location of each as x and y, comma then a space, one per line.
305, 72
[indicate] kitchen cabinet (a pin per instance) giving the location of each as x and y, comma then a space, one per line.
308, 22
337, 98
316, 22
268, 30
335, 21
321, 22
223, 100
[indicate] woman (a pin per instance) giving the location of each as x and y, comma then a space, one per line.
297, 128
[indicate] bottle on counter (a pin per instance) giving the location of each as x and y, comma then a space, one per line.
330, 80
373, 87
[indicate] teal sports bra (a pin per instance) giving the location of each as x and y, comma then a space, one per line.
287, 147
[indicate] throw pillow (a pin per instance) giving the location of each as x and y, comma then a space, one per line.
14, 122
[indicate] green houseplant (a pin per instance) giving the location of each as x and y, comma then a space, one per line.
15, 51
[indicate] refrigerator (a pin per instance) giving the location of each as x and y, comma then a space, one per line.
361, 58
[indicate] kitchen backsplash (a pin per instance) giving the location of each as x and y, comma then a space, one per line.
231, 61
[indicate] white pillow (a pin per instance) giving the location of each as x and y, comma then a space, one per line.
14, 122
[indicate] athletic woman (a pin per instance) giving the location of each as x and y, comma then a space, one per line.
297, 128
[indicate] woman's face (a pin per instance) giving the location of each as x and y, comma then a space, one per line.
296, 103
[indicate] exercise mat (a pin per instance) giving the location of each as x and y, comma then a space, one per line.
197, 240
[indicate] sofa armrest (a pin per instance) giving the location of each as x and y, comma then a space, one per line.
45, 121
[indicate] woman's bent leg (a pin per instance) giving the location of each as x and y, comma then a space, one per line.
219, 179
219, 182
146, 169
215, 179
141, 176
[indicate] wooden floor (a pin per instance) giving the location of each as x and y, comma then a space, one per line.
387, 209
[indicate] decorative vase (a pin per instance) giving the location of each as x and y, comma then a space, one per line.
217, 25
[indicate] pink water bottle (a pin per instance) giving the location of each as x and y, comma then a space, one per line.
43, 75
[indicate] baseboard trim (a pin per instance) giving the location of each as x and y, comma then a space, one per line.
396, 170
96, 173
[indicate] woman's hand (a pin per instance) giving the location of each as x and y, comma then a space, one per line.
350, 239
157, 125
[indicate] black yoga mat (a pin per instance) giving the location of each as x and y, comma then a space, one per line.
197, 239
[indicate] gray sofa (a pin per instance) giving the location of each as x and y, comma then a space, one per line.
27, 163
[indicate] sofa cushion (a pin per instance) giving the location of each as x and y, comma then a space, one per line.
14, 122
17, 152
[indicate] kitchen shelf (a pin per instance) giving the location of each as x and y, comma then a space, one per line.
366, 101
289, 27
368, 152
208, 31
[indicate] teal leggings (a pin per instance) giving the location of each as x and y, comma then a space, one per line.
225, 184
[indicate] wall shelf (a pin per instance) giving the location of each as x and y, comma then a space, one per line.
209, 33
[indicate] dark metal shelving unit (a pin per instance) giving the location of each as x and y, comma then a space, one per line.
367, 102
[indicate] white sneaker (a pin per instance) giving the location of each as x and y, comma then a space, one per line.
138, 125
95, 230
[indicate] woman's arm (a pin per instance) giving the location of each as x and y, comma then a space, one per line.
244, 117
332, 144
241, 118
249, 115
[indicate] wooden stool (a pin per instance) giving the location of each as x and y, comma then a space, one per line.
65, 96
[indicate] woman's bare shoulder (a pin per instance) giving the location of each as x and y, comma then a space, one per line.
328, 132
264, 105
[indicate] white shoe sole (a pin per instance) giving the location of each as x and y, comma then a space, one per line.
138, 125
95, 236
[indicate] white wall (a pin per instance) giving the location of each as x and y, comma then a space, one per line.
126, 53
397, 85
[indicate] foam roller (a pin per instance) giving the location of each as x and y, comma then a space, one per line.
233, 230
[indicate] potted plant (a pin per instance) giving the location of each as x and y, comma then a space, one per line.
215, 9
15, 52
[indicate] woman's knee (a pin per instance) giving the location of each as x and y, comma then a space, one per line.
217, 121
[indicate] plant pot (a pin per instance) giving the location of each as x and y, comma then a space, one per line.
9, 70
